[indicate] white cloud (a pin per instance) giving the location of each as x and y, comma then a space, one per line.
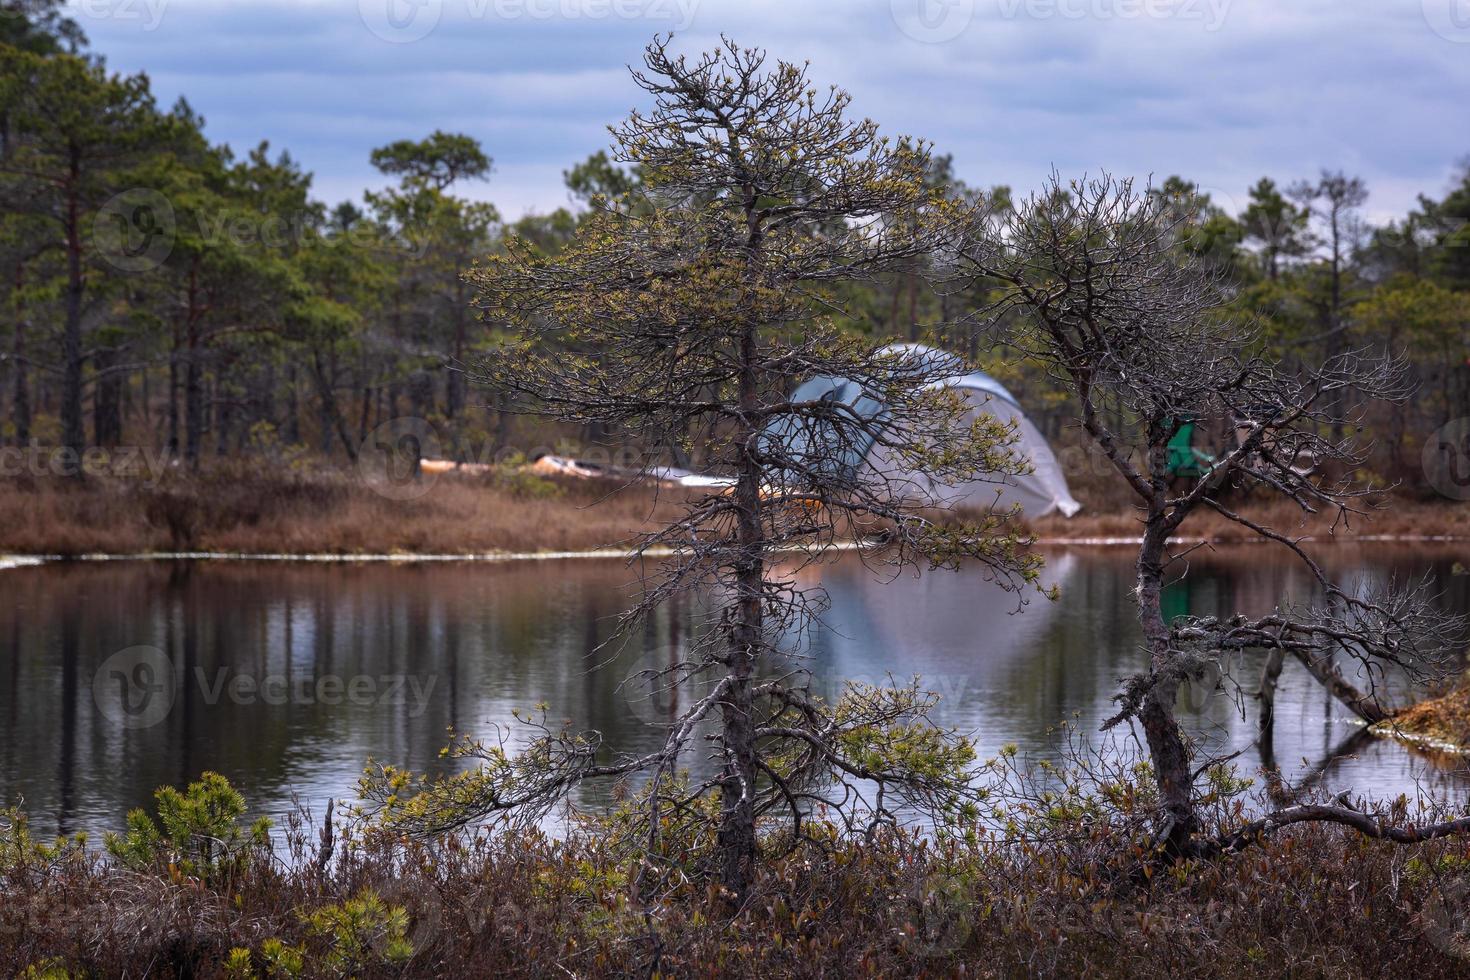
1278, 89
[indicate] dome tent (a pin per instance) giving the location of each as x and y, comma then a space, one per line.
1038, 492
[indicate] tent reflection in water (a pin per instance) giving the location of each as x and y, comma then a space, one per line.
1038, 493
944, 625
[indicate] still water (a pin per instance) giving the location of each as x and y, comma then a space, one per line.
289, 676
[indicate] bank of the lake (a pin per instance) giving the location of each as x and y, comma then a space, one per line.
238, 510
247, 510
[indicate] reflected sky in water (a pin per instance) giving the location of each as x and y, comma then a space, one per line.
343, 662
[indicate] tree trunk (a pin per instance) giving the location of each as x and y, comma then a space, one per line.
20, 399
362, 414
332, 419
225, 409
454, 396
193, 400
293, 417
737, 839
1166, 745
1270, 673
1360, 703
107, 402
173, 395
73, 436
913, 283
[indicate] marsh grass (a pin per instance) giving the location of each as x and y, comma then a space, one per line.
1401, 517
247, 509
239, 508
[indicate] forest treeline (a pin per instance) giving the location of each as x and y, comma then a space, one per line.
160, 291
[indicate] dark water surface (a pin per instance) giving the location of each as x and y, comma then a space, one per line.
289, 676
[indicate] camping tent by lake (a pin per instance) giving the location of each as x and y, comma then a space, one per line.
1039, 492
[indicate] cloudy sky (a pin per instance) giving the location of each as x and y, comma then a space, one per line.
1220, 91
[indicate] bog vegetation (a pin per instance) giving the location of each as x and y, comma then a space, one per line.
1046, 886
745, 233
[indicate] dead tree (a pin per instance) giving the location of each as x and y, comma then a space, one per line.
695, 310
1090, 279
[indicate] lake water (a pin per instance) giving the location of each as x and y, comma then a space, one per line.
290, 675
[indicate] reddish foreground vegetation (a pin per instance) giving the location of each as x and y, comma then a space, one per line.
1316, 901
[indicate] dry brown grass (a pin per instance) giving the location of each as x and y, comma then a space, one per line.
249, 509
235, 510
1315, 902
1439, 722
1393, 517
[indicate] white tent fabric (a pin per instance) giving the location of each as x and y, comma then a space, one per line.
1038, 493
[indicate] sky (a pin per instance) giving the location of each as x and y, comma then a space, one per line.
1221, 92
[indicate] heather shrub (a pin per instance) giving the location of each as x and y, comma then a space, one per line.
1053, 881
198, 832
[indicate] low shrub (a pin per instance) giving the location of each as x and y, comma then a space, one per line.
1049, 893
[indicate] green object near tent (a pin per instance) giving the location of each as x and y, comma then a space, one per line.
1183, 458
1174, 602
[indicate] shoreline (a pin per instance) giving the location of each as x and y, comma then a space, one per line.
29, 560
334, 516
